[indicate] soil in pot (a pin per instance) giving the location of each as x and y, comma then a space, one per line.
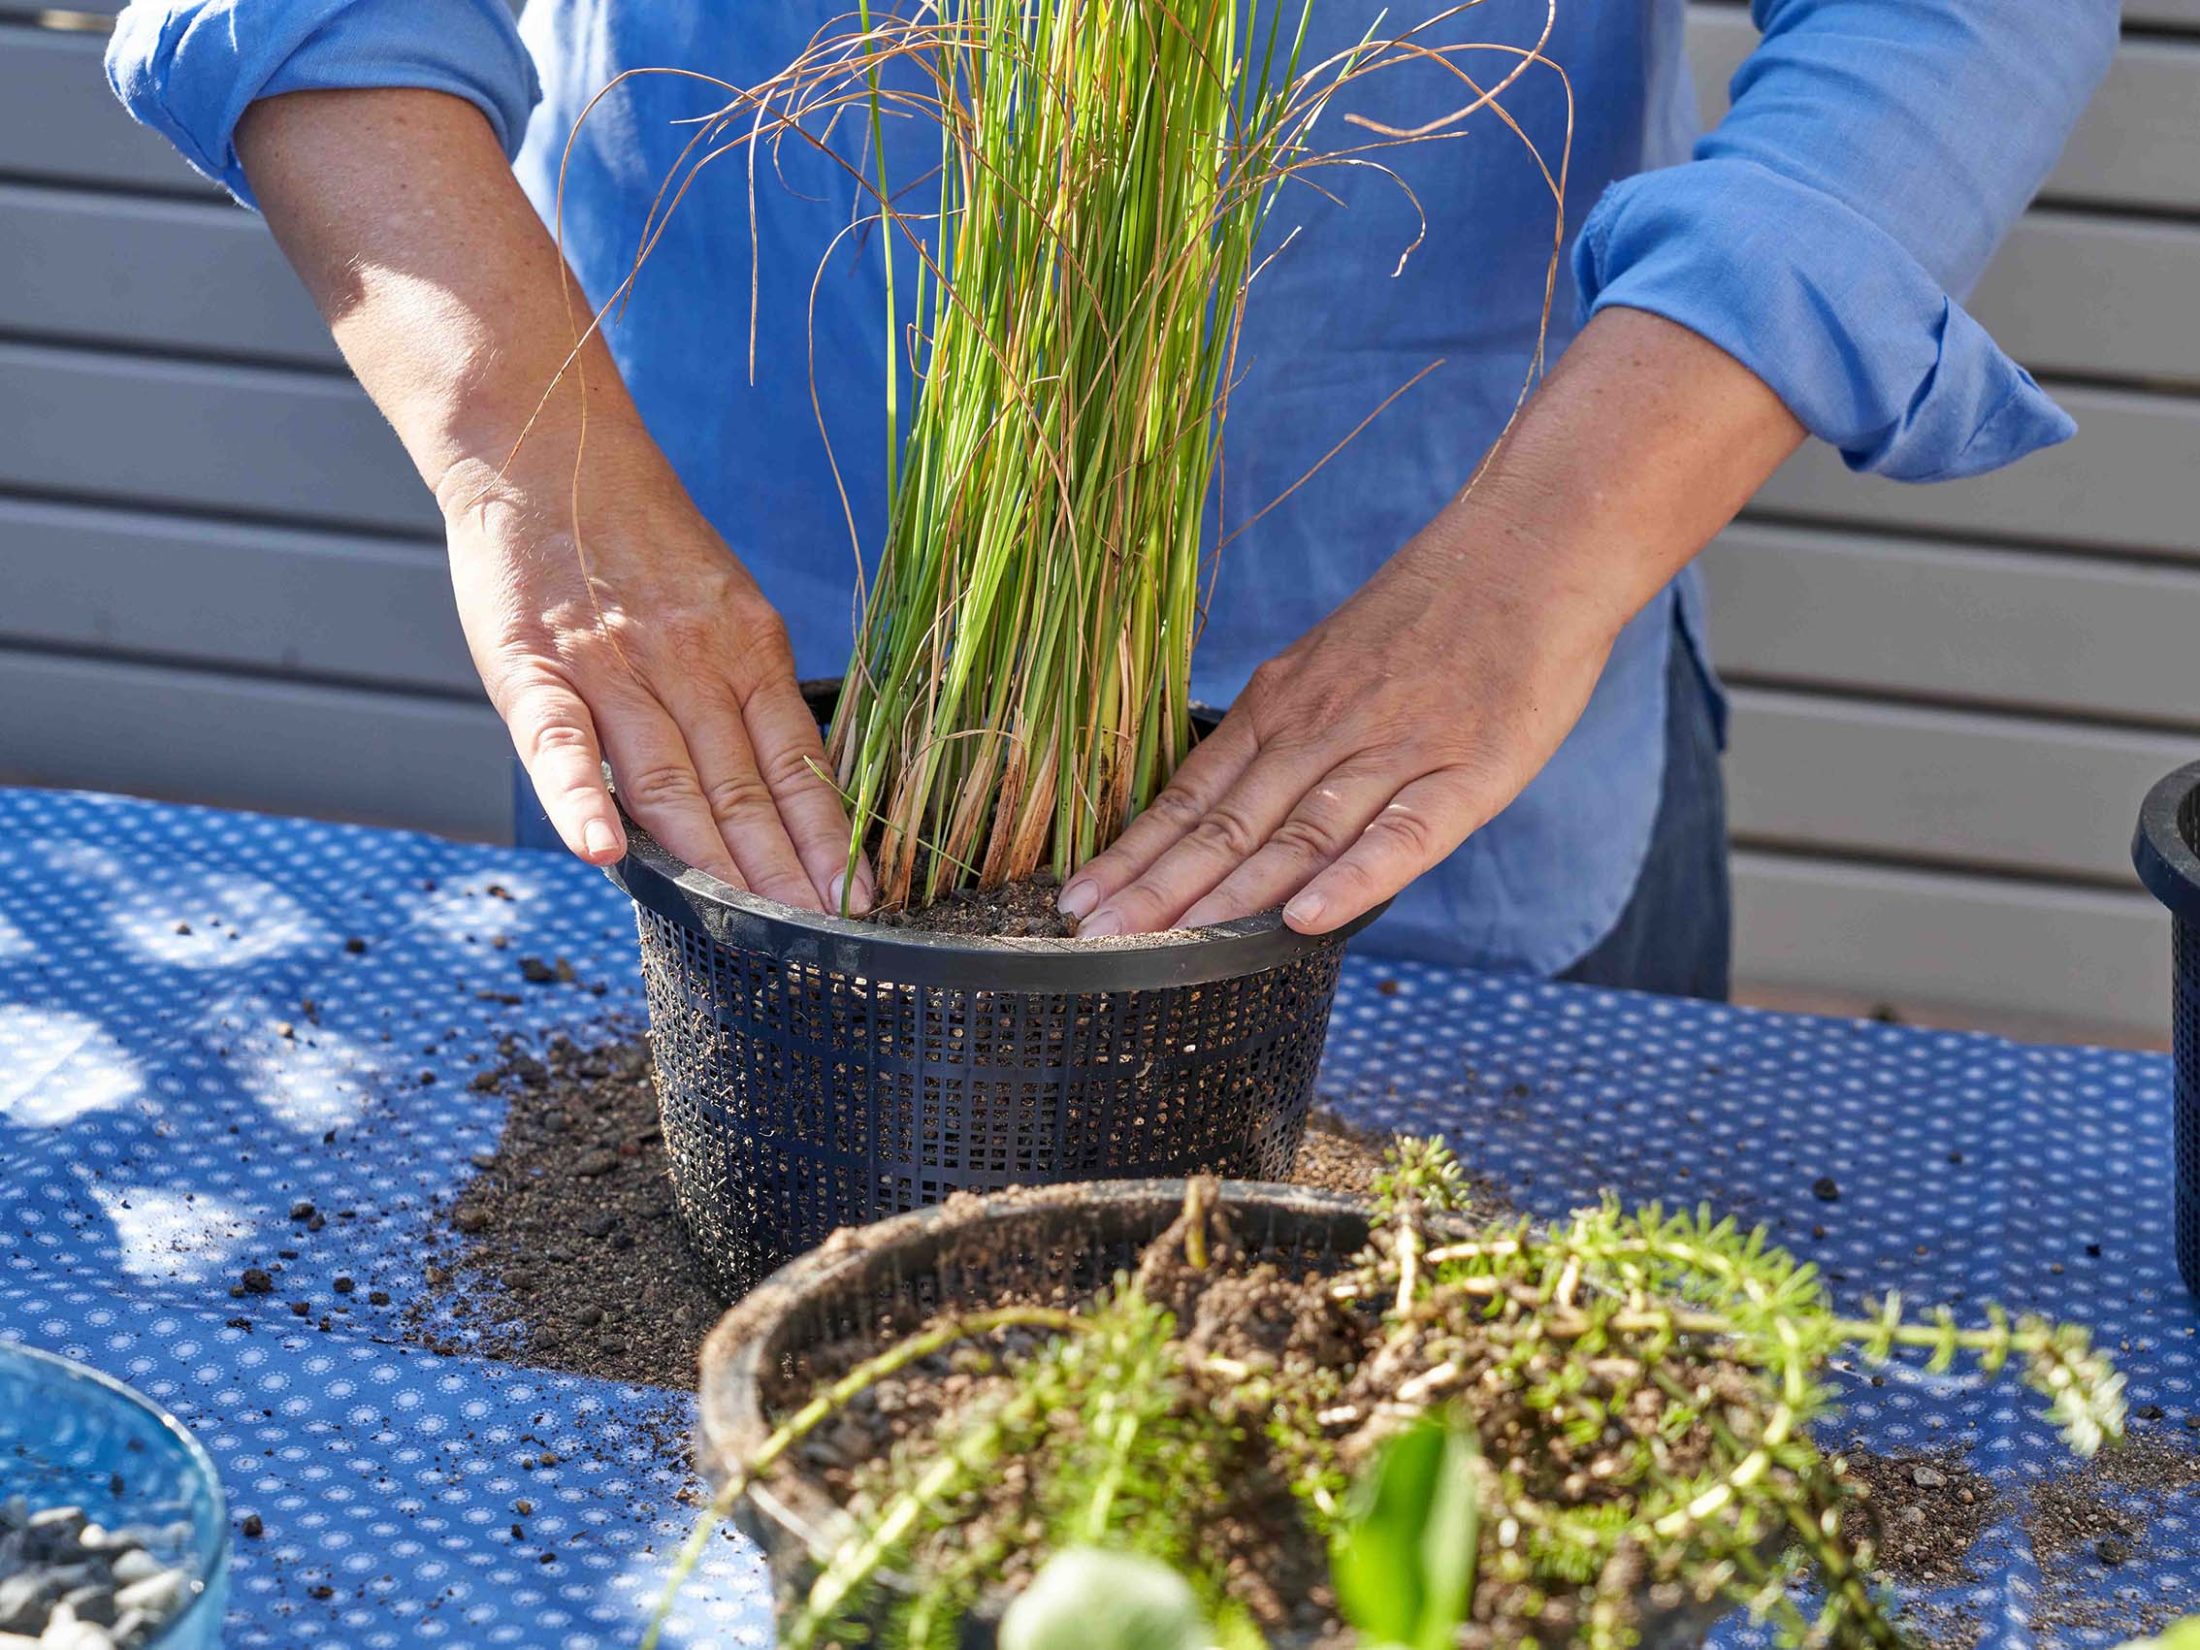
1023, 909
561, 1251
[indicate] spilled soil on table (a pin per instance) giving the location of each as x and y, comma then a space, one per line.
2085, 1524
1927, 1512
2088, 1523
563, 1252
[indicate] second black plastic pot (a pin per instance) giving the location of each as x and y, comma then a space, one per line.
2166, 851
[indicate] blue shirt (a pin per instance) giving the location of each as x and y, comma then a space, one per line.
1823, 234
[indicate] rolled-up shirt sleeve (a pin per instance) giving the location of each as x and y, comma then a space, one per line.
190, 68
1823, 235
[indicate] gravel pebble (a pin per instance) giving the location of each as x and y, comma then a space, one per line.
136, 1565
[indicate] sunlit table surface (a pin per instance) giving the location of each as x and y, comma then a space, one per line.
165, 1101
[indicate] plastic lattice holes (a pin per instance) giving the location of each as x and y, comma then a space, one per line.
798, 1100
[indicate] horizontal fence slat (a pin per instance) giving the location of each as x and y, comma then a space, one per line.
264, 441
2138, 143
60, 123
2125, 482
241, 440
282, 747
182, 276
2162, 14
2082, 635
323, 606
1893, 935
1956, 787
2096, 297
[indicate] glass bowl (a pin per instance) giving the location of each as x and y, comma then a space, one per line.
72, 1437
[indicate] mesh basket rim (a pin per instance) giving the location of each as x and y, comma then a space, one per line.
652, 876
2162, 850
730, 1391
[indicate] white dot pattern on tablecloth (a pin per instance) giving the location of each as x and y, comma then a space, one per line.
167, 1096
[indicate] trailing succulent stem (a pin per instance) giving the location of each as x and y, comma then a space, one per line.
1604, 1411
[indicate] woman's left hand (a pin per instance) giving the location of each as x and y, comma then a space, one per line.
1368, 750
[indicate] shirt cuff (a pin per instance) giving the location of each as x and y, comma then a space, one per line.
1849, 330
190, 70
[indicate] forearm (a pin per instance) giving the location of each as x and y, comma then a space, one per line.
441, 284
1643, 443
609, 623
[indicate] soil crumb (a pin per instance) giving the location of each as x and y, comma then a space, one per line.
1928, 1511
1021, 910
563, 1252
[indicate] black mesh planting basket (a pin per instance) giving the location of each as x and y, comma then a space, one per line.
2166, 850
815, 1073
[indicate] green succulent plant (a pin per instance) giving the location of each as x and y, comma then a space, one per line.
1543, 1417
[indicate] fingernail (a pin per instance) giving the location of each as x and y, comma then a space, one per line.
600, 838
1100, 925
855, 904
1078, 898
1305, 911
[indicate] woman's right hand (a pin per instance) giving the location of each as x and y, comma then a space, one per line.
633, 635
640, 639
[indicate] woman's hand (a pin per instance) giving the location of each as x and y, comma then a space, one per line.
1360, 756
663, 657
630, 633
1408, 719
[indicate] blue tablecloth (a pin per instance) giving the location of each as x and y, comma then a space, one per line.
167, 1095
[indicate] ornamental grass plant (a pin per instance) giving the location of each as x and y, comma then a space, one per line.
1066, 287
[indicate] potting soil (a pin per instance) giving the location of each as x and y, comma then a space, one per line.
1024, 909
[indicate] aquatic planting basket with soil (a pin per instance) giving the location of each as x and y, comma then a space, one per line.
816, 1072
1262, 1416
1066, 286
